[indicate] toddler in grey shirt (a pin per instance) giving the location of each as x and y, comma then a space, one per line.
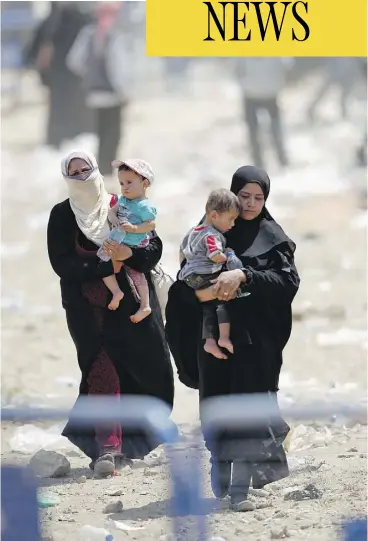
203, 252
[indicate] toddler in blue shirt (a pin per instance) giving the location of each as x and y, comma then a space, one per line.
132, 219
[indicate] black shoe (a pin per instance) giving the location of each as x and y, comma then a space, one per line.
220, 478
119, 460
239, 502
104, 465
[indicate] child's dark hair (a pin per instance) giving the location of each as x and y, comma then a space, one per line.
222, 200
124, 167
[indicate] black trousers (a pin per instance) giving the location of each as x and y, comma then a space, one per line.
252, 107
213, 313
108, 128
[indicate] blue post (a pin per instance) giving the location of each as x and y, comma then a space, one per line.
355, 530
18, 493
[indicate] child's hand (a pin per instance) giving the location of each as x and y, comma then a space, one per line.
128, 227
114, 221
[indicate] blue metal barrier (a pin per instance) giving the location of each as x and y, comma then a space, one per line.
146, 413
152, 415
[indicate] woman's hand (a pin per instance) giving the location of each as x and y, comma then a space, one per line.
226, 285
117, 252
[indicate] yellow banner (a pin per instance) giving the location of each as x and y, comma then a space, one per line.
289, 28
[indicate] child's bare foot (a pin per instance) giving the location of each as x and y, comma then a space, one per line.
211, 347
140, 315
115, 301
226, 343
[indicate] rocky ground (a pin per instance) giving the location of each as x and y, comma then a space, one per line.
195, 142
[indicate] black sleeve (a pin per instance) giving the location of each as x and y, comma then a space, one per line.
145, 259
280, 281
32, 48
52, 23
61, 249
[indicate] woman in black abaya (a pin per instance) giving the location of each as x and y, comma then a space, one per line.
260, 329
116, 357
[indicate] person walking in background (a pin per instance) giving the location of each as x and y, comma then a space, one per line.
67, 115
176, 73
100, 56
261, 81
341, 74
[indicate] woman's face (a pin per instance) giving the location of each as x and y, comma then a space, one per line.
252, 201
78, 168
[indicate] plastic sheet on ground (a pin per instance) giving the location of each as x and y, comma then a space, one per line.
29, 439
306, 437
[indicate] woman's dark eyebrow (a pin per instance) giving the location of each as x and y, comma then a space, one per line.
83, 169
248, 193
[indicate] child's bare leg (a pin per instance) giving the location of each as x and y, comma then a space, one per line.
224, 339
112, 284
210, 346
143, 292
209, 330
224, 328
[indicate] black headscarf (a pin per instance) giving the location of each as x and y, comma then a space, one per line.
253, 238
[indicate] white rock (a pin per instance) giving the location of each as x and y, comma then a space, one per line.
263, 505
118, 492
287, 490
114, 507
49, 464
305, 524
279, 532
82, 479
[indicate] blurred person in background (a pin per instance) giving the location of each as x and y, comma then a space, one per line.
67, 115
261, 81
340, 74
101, 57
361, 154
176, 73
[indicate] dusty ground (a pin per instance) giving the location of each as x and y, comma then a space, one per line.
194, 144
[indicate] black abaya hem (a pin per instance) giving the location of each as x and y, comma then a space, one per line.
135, 446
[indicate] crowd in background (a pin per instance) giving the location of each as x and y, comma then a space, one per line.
87, 55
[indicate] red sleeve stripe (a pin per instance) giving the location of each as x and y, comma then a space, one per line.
212, 244
113, 200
